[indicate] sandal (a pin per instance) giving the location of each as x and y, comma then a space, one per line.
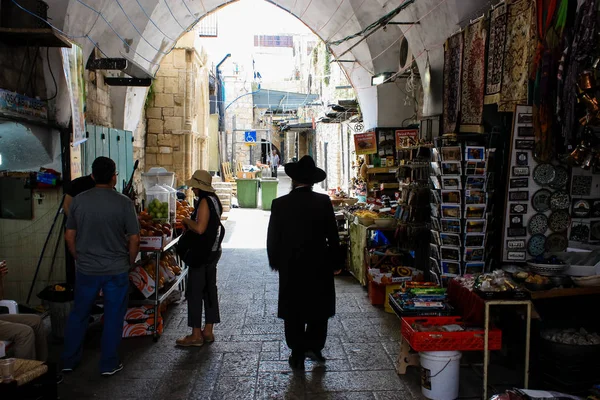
209, 338
189, 341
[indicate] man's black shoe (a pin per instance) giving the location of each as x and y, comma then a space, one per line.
297, 362
316, 356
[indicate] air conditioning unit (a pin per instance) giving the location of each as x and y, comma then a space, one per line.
406, 57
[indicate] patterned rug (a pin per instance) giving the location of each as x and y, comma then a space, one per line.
495, 56
520, 46
473, 77
452, 74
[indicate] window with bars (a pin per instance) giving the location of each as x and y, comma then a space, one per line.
273, 41
207, 26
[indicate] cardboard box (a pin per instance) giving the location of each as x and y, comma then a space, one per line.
152, 243
142, 281
139, 321
247, 175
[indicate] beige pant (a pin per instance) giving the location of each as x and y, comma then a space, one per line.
27, 333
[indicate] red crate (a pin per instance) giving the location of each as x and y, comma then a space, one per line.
376, 293
447, 341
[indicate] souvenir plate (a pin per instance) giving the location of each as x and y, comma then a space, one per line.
518, 196
541, 200
595, 231
515, 244
581, 185
561, 177
595, 208
557, 242
536, 245
560, 200
522, 144
516, 221
580, 232
544, 174
559, 221
516, 232
520, 171
518, 208
516, 255
581, 208
538, 224
522, 158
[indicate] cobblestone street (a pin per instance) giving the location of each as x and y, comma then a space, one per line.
249, 357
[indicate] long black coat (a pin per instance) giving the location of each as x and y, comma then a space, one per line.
303, 245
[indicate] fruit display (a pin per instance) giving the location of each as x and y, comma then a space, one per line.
150, 227
168, 268
158, 210
184, 210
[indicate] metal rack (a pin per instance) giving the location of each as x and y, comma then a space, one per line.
160, 296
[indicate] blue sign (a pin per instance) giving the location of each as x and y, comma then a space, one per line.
250, 136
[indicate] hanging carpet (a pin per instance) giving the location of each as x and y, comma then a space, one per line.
519, 49
473, 77
452, 74
495, 56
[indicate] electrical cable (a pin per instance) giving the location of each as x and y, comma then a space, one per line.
173, 15
375, 25
330, 18
52, 75
306, 9
140, 33
348, 20
154, 23
116, 33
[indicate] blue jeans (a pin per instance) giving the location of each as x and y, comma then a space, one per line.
115, 289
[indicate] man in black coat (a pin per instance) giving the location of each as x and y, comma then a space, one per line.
303, 246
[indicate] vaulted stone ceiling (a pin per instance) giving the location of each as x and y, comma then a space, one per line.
144, 30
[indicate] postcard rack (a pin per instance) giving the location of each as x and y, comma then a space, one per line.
462, 186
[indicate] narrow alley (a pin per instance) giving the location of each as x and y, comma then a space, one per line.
248, 360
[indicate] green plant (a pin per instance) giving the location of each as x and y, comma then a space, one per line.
327, 67
150, 96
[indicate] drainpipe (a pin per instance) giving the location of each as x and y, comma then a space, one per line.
221, 127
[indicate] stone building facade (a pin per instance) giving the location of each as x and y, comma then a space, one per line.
177, 111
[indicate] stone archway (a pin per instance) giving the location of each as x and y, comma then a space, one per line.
145, 34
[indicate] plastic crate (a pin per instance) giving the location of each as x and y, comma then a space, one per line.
376, 293
447, 341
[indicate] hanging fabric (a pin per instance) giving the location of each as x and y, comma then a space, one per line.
495, 58
473, 77
452, 76
518, 52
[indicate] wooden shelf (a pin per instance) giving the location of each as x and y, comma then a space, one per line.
555, 293
44, 37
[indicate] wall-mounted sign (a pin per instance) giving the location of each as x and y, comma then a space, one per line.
406, 137
365, 143
15, 105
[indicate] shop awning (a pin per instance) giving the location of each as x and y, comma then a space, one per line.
277, 101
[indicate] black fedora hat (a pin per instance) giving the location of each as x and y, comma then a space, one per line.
305, 171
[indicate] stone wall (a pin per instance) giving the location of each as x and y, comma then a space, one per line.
242, 109
177, 115
330, 134
98, 109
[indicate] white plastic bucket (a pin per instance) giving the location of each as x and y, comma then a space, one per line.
440, 373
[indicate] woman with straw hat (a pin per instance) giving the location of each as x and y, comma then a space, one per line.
201, 252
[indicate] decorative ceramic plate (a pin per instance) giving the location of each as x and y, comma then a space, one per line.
561, 178
559, 221
536, 245
560, 200
538, 224
557, 242
544, 174
581, 208
541, 200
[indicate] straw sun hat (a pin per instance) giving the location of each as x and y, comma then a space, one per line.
201, 180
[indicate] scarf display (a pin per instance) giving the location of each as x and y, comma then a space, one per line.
518, 52
581, 50
473, 77
495, 59
452, 76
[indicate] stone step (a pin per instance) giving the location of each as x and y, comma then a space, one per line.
223, 195
225, 216
218, 185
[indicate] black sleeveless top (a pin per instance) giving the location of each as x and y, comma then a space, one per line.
211, 239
